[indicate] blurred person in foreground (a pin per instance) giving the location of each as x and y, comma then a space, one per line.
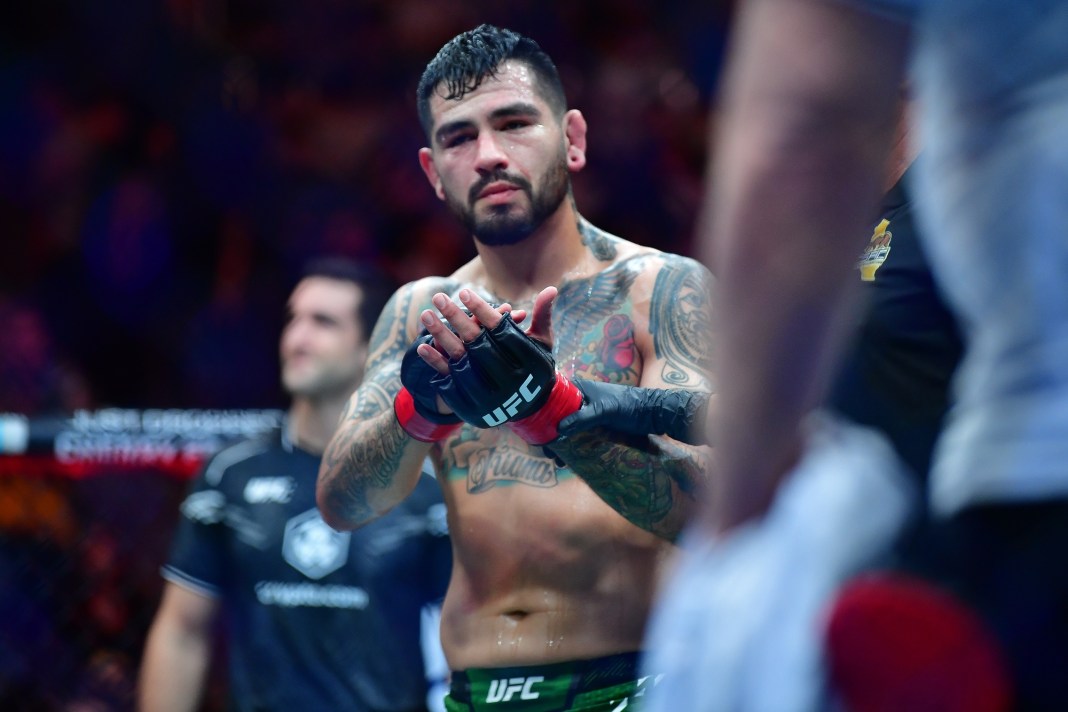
554, 564
801, 501
313, 619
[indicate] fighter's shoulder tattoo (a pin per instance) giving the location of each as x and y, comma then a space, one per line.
389, 340
390, 335
680, 313
388, 330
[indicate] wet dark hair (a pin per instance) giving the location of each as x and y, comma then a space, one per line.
470, 57
374, 285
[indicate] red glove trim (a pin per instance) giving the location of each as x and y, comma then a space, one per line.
540, 428
416, 425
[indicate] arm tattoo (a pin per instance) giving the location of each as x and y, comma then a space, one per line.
649, 481
369, 464
376, 394
389, 333
583, 304
679, 319
356, 478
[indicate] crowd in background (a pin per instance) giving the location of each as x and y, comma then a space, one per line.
166, 167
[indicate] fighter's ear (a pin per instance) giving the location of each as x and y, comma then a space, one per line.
426, 161
575, 136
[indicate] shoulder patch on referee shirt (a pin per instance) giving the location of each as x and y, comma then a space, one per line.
877, 251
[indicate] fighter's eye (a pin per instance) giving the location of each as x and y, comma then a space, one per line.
456, 140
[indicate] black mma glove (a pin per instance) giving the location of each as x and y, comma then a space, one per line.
416, 405
507, 377
631, 409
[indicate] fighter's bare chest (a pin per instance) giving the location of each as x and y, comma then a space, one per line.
596, 327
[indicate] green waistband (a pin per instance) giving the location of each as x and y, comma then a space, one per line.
534, 688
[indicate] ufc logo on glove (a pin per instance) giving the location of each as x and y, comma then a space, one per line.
510, 407
506, 376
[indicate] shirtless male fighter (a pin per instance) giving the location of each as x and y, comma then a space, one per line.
554, 565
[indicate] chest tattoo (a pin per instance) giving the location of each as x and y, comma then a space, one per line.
485, 461
489, 468
593, 328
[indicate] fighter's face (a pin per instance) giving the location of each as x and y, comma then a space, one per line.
322, 348
499, 157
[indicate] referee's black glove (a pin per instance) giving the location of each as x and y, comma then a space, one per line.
679, 414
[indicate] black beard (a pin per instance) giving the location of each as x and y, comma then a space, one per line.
509, 226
